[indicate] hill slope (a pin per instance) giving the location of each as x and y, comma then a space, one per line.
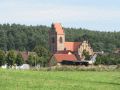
21, 37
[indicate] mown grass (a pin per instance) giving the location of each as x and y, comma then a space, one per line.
59, 80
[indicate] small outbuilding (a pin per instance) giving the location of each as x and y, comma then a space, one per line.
58, 59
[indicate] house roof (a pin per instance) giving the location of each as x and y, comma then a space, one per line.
66, 57
63, 52
58, 28
72, 46
25, 55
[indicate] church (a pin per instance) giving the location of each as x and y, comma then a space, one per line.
64, 52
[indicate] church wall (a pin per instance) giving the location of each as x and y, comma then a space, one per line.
52, 41
85, 46
60, 42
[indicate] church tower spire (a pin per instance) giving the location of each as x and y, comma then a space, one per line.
56, 38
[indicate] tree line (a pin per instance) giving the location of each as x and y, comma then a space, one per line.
10, 58
22, 37
40, 56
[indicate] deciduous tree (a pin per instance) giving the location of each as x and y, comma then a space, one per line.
19, 59
10, 58
2, 57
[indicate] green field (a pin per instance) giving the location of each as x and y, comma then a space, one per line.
59, 80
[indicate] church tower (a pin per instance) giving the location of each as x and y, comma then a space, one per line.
56, 38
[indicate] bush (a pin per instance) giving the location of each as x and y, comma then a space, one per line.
79, 68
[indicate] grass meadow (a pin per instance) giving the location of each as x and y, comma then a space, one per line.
59, 80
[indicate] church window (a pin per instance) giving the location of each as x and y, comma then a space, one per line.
65, 49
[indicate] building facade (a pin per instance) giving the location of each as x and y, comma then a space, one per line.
60, 46
56, 38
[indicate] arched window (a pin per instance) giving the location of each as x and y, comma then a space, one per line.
65, 49
60, 40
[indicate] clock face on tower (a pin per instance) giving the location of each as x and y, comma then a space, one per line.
60, 39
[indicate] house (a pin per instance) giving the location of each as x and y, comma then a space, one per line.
117, 51
57, 59
65, 51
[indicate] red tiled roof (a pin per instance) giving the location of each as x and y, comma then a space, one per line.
63, 52
58, 28
72, 46
67, 57
25, 55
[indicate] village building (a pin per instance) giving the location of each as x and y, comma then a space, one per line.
65, 51
117, 51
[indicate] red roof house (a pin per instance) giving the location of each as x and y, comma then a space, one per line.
58, 58
67, 57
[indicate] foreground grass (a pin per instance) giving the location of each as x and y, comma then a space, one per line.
59, 80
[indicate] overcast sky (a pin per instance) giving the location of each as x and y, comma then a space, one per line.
103, 15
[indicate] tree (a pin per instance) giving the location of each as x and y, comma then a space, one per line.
2, 58
10, 58
108, 59
33, 59
21, 37
86, 54
30, 60
19, 59
43, 54
42, 61
41, 51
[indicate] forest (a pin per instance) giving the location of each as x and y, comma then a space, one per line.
27, 38
22, 37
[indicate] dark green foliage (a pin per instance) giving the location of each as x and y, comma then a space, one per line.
33, 59
19, 59
86, 54
43, 54
2, 58
108, 59
21, 37
10, 59
41, 51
